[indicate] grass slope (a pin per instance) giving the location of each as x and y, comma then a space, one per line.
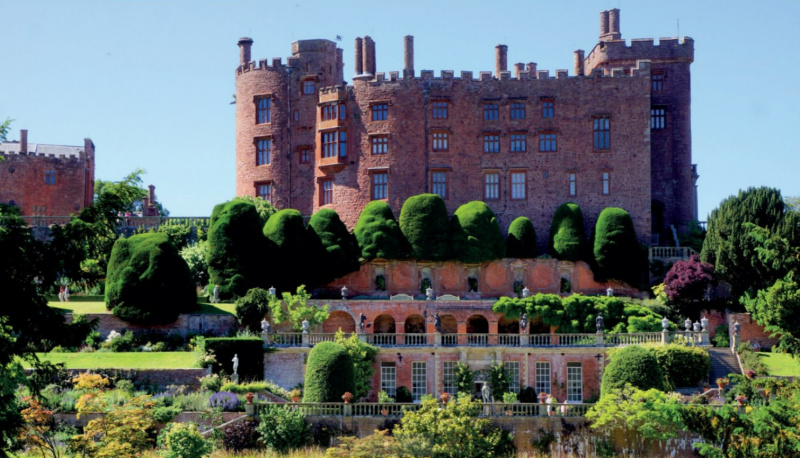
780, 364
139, 360
83, 308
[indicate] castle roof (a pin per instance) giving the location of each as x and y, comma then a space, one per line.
42, 149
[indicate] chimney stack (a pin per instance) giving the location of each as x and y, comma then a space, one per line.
152, 194
518, 68
603, 24
244, 50
408, 56
500, 60
23, 141
613, 24
369, 56
532, 69
579, 62
359, 56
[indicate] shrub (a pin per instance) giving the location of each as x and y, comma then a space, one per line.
341, 247
634, 365
283, 429
252, 308
183, 440
329, 373
566, 232
296, 246
750, 360
211, 382
616, 249
165, 414
225, 400
721, 336
498, 381
528, 394
249, 350
521, 242
241, 436
465, 378
236, 248
378, 233
147, 280
403, 394
475, 234
424, 222
120, 342
682, 366
363, 355
687, 282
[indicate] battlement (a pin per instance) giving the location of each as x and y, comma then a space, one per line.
669, 49
299, 49
34, 149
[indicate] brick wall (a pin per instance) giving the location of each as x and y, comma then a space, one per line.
751, 331
285, 367
216, 325
160, 378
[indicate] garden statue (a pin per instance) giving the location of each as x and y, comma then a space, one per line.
235, 363
429, 293
304, 324
599, 322
265, 327
362, 321
523, 323
437, 322
486, 393
664, 324
737, 328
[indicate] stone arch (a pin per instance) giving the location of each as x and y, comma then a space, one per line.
339, 319
477, 324
507, 326
449, 324
415, 324
383, 324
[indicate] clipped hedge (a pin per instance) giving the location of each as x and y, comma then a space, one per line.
147, 281
297, 249
249, 349
616, 249
635, 365
341, 247
425, 224
682, 366
378, 234
521, 242
475, 234
329, 373
567, 234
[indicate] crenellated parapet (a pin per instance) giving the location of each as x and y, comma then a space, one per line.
668, 50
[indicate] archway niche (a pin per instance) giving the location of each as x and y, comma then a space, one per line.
383, 330
337, 320
478, 328
415, 330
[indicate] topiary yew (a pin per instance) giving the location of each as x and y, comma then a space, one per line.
298, 248
424, 222
475, 234
616, 249
634, 365
340, 245
566, 232
147, 280
329, 373
378, 233
521, 242
236, 248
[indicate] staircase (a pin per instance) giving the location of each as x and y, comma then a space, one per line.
723, 362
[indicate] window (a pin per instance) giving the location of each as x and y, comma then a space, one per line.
380, 144
305, 156
329, 112
548, 142
439, 184
517, 110
264, 151
491, 112
440, 109
518, 143
333, 141
50, 177
264, 191
379, 185
574, 382
440, 141
548, 108
389, 378
492, 186
518, 185
658, 118
542, 383
606, 183
326, 195
602, 132
658, 81
419, 379
342, 143
573, 185
491, 143
263, 110
308, 87
512, 370
342, 111
380, 112
449, 377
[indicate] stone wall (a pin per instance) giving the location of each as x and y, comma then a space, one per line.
215, 325
158, 378
286, 367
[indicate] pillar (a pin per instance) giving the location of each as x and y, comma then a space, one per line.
244, 50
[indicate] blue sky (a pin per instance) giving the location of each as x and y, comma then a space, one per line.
151, 81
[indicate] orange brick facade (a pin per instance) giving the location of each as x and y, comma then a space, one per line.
617, 133
46, 180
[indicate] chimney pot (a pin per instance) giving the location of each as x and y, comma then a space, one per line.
23, 141
244, 50
500, 60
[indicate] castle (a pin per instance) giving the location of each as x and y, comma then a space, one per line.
616, 133
46, 180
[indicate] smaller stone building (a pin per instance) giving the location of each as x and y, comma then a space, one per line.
46, 180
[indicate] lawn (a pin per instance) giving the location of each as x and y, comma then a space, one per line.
780, 364
100, 307
138, 360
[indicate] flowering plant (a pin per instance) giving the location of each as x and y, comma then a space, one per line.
225, 400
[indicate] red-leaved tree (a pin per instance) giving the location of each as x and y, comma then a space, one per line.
687, 281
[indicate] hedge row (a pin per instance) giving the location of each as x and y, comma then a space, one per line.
249, 350
664, 367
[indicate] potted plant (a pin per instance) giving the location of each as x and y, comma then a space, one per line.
750, 373
348, 397
542, 397
510, 398
295, 394
249, 397
722, 382
741, 399
384, 398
